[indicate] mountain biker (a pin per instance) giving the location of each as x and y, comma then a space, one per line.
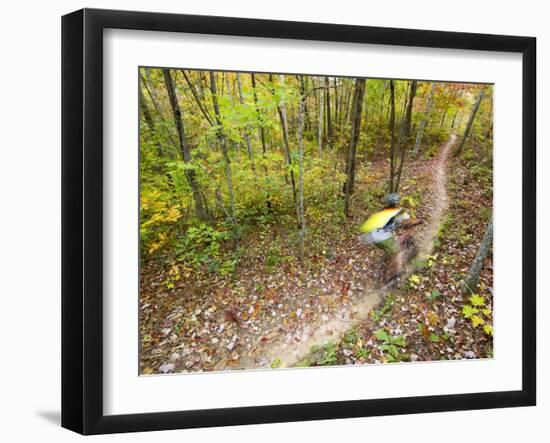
379, 230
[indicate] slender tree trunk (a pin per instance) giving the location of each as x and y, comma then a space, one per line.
149, 120
258, 114
470, 123
381, 111
307, 110
145, 111
281, 108
198, 99
329, 119
357, 107
471, 280
365, 121
405, 133
184, 148
300, 206
223, 143
337, 106
153, 96
454, 120
237, 145
320, 125
405, 101
245, 131
261, 132
424, 121
392, 135
443, 117
348, 106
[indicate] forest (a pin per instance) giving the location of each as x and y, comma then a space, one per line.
253, 191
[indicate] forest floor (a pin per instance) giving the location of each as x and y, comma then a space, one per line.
274, 313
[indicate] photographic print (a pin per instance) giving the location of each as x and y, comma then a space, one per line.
296, 221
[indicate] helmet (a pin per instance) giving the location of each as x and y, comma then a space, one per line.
391, 200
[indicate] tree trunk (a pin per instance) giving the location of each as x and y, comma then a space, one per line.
365, 121
405, 101
281, 108
329, 120
149, 119
184, 148
405, 133
473, 275
153, 96
424, 122
454, 120
198, 99
300, 206
258, 114
223, 143
443, 119
320, 125
337, 104
470, 123
357, 108
245, 131
392, 136
307, 111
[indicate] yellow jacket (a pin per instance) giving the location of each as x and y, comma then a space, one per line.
379, 219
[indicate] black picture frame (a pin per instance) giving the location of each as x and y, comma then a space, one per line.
82, 218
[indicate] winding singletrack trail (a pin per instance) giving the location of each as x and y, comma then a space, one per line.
327, 330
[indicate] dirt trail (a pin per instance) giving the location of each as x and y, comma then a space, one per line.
440, 201
331, 329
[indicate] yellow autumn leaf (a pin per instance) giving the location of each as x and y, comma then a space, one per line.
477, 300
477, 321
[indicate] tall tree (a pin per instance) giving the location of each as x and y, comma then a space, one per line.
470, 122
357, 108
424, 121
245, 131
320, 125
258, 113
405, 133
392, 136
223, 144
147, 116
281, 109
328, 117
300, 205
453, 121
184, 147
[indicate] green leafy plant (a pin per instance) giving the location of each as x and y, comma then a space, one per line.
434, 295
478, 314
392, 346
377, 314
329, 356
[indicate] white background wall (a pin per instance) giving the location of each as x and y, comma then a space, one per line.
30, 218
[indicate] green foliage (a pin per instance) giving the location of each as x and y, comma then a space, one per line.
378, 314
329, 356
201, 247
434, 295
273, 258
393, 347
478, 314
